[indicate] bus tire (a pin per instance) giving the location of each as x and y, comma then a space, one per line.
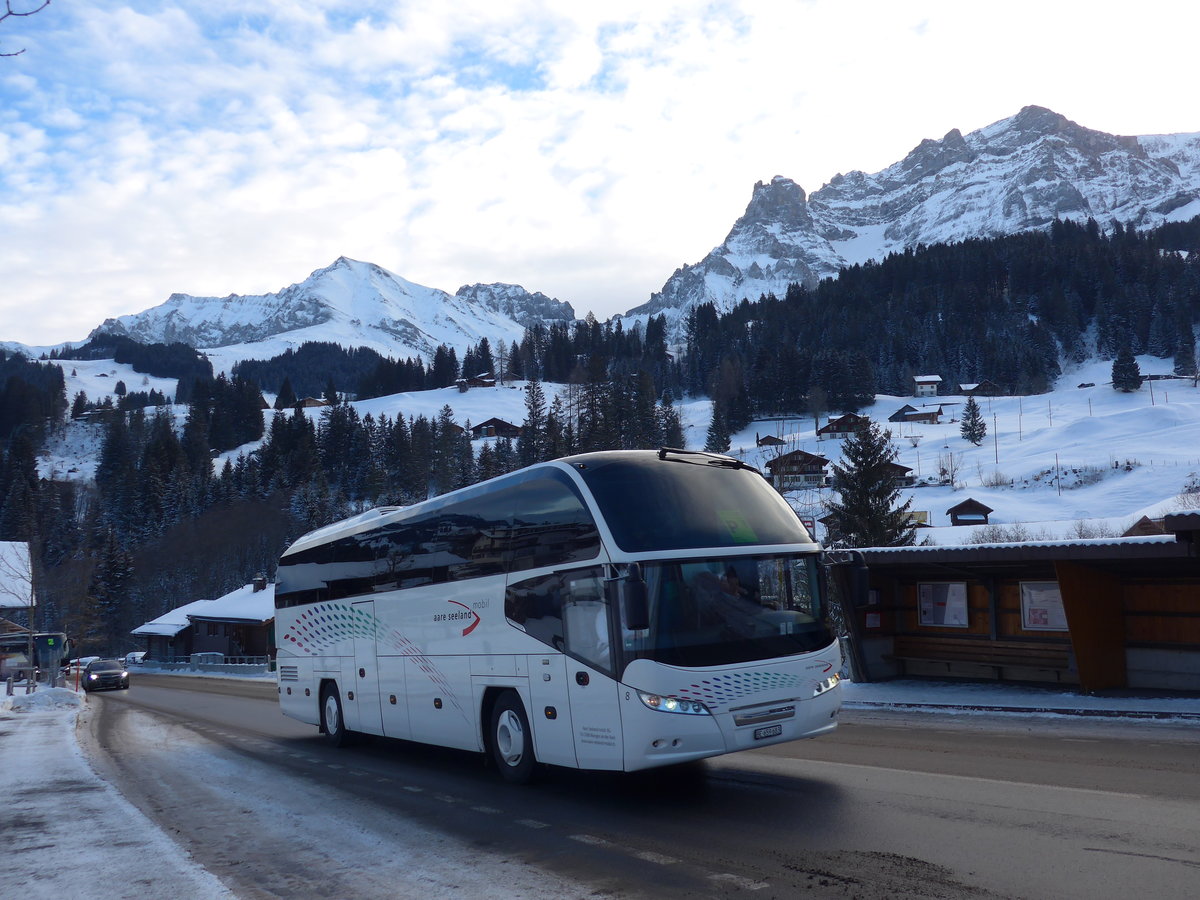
333, 722
511, 740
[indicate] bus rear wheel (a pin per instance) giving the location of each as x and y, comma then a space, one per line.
333, 723
511, 740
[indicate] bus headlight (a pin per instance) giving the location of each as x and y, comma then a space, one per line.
673, 704
827, 685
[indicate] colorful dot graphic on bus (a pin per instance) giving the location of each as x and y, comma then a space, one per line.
326, 624
723, 689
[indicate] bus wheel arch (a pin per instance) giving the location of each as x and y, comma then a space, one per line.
510, 739
333, 717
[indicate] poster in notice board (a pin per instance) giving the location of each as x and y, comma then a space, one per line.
1042, 607
943, 603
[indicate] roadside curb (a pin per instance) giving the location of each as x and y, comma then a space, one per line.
1026, 710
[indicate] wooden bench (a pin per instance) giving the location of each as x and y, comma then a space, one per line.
974, 657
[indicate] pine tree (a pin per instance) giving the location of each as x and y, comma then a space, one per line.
973, 427
287, 395
867, 513
1126, 375
532, 444
717, 440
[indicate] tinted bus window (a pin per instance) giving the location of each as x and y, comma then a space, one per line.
531, 521
681, 504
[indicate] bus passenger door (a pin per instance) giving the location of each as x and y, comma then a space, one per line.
595, 712
364, 714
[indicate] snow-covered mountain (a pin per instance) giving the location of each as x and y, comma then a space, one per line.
352, 303
1017, 174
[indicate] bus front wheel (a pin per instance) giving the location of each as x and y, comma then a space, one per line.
333, 723
512, 741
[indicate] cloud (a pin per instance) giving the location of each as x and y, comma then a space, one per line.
582, 150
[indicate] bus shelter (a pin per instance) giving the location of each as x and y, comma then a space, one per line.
1098, 614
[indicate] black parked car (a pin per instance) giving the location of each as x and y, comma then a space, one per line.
105, 675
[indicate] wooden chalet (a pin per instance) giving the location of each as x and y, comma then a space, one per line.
495, 428
841, 427
926, 415
926, 385
969, 512
982, 389
768, 440
476, 381
798, 469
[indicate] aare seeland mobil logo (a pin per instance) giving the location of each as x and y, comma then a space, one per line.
465, 615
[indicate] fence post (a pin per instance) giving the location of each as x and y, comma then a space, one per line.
9, 686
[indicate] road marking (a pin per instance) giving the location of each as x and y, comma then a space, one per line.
414, 789
532, 823
446, 798
748, 884
590, 839
486, 809
659, 858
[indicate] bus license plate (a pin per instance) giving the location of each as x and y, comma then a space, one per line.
769, 732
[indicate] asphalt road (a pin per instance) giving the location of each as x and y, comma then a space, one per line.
892, 805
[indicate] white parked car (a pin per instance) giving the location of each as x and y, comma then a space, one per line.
135, 659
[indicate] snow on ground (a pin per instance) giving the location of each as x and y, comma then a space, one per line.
1078, 461
66, 832
1075, 462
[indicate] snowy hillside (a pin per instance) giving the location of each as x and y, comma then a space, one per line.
1087, 459
1079, 460
351, 303
1017, 174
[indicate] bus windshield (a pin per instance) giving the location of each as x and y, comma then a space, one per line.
687, 504
719, 611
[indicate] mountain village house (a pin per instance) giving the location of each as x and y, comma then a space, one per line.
926, 415
926, 385
798, 469
841, 427
969, 512
237, 627
495, 428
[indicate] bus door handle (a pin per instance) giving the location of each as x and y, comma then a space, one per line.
362, 673
582, 679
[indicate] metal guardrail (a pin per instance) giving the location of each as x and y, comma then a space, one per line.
210, 662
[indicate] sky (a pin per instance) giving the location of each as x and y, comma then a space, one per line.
582, 150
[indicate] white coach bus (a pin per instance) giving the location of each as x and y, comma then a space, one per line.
617, 610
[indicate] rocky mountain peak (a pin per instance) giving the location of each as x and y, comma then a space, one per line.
1019, 173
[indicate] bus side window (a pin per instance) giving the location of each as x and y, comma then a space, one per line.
536, 605
586, 617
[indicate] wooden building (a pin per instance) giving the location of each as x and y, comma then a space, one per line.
841, 427
495, 428
969, 512
798, 469
1101, 614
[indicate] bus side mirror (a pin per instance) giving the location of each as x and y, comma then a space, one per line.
636, 604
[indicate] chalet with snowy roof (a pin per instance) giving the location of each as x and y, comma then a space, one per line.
798, 469
981, 389
495, 428
1100, 613
239, 626
476, 381
926, 385
969, 512
313, 402
841, 427
926, 415
768, 440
